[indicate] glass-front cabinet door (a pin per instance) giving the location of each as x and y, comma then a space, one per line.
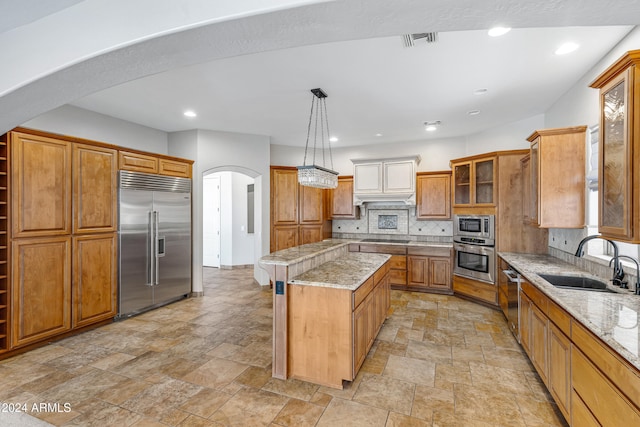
614, 186
473, 182
484, 188
462, 184
619, 149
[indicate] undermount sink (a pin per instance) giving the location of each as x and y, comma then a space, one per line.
576, 282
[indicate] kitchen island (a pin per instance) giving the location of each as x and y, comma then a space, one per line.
328, 307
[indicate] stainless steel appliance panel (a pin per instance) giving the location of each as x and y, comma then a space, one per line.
513, 297
135, 288
475, 227
476, 262
173, 245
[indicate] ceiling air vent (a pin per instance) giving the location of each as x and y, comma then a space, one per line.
409, 39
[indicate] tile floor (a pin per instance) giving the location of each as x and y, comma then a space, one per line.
438, 361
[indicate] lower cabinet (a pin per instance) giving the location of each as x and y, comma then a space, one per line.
61, 284
94, 278
591, 384
41, 289
429, 273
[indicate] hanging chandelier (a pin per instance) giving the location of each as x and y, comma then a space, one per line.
313, 175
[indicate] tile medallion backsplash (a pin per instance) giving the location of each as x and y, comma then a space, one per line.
394, 222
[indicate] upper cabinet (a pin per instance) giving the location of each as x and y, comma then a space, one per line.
139, 162
298, 213
433, 195
342, 206
473, 182
385, 180
41, 175
557, 166
619, 147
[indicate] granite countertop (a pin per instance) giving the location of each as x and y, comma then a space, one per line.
310, 250
614, 317
302, 252
348, 272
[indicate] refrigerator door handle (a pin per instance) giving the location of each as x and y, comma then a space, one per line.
159, 241
152, 250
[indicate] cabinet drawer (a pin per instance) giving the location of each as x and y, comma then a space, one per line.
430, 251
137, 162
361, 293
378, 276
536, 296
384, 249
398, 277
398, 262
559, 317
600, 396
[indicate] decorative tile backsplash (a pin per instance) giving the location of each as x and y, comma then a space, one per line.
379, 221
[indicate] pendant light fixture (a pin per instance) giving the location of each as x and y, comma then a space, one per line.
313, 175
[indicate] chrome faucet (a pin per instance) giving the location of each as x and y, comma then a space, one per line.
637, 287
618, 272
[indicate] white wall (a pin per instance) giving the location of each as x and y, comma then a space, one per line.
243, 242
225, 151
512, 136
81, 123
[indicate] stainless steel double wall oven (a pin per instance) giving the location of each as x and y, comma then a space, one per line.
474, 244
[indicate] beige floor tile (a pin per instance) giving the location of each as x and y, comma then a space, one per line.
250, 407
475, 402
320, 399
400, 420
539, 414
418, 371
254, 377
386, 393
111, 361
430, 399
429, 351
353, 414
98, 413
205, 402
216, 373
296, 389
499, 379
157, 400
297, 413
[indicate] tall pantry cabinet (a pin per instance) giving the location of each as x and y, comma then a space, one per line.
63, 235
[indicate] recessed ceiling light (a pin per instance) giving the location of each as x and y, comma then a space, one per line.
498, 31
431, 126
378, 134
333, 139
566, 48
480, 91
473, 112
190, 113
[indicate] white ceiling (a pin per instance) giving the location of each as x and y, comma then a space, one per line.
374, 86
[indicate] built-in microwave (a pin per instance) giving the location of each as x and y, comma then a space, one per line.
466, 228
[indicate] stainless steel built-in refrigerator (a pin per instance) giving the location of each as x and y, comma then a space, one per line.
154, 241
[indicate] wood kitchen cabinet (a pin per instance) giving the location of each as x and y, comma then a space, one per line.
41, 183
557, 167
95, 189
433, 195
331, 330
41, 288
426, 270
525, 168
154, 164
298, 213
341, 200
474, 181
95, 266
619, 149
